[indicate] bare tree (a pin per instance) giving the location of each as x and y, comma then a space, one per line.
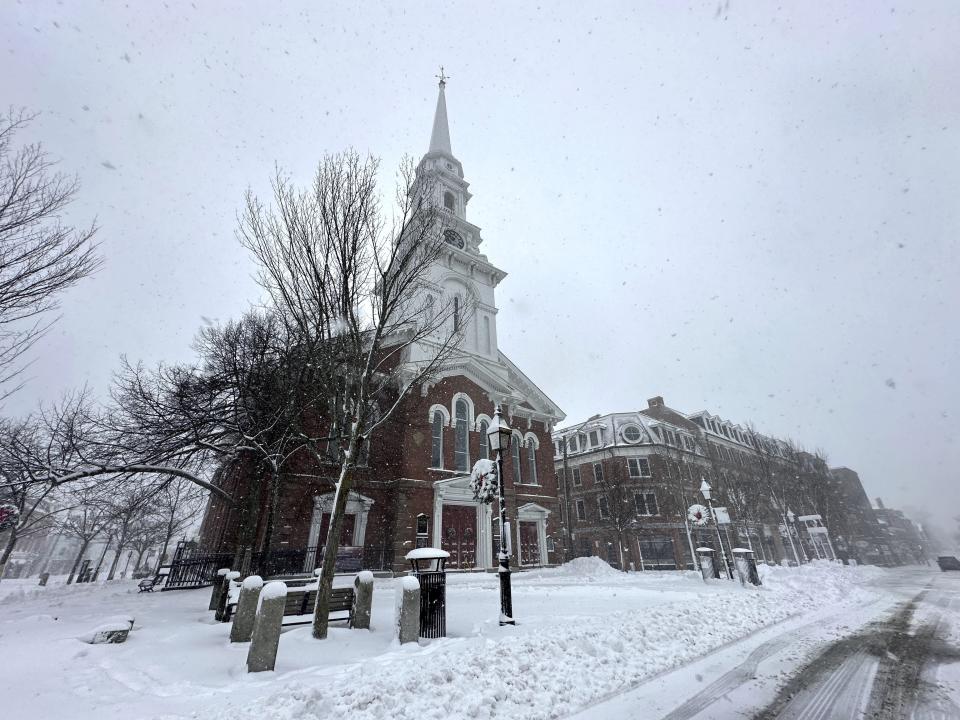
40, 257
36, 503
149, 533
89, 519
127, 506
75, 440
177, 508
349, 282
617, 511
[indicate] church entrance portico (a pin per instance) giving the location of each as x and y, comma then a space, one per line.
461, 525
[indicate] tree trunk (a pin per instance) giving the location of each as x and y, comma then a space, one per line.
274, 502
96, 573
136, 566
116, 559
8, 550
321, 616
163, 550
76, 562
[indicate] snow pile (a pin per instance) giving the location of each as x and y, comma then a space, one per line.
561, 667
587, 568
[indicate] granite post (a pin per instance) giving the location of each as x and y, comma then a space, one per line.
265, 640
362, 600
243, 621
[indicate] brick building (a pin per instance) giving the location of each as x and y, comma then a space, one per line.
413, 489
631, 478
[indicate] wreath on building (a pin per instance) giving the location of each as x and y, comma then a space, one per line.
698, 515
483, 481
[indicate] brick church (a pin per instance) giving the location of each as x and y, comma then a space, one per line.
413, 490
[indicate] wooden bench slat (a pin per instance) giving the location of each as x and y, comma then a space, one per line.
300, 603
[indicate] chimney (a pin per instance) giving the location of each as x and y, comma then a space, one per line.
655, 402
880, 504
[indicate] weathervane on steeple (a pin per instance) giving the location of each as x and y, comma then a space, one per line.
443, 77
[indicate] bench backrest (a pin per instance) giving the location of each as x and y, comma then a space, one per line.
304, 603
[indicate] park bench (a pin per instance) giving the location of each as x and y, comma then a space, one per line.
147, 584
300, 604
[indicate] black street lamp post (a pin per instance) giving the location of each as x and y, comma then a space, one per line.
499, 435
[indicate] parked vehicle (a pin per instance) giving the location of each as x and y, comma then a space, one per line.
948, 562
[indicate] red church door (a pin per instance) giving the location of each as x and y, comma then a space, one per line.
459, 535
529, 544
346, 530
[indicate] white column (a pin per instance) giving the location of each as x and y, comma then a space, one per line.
542, 539
437, 517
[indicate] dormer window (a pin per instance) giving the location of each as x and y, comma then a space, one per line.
449, 201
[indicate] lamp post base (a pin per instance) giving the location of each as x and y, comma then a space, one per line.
506, 597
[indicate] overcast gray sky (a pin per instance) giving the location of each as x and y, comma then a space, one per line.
741, 207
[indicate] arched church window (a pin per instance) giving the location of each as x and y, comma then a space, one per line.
436, 459
461, 447
484, 443
515, 457
449, 201
531, 463
456, 313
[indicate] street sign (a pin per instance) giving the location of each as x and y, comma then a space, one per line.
722, 516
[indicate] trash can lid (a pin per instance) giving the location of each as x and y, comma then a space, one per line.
704, 549
427, 554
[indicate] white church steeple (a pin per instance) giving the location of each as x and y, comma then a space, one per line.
464, 270
440, 137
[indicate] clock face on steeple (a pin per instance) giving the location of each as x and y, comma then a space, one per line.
454, 238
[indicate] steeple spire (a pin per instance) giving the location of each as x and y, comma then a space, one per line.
440, 137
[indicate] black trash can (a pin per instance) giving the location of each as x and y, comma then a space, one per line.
428, 567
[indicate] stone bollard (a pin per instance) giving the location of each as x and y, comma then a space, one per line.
242, 627
262, 654
225, 594
707, 568
362, 600
851, 562
44, 576
217, 586
408, 609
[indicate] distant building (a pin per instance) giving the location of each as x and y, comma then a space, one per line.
856, 530
629, 480
906, 540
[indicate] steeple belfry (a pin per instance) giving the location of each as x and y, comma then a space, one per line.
440, 137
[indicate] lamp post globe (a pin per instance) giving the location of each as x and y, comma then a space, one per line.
499, 435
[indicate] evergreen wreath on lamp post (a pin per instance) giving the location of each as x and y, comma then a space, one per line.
483, 481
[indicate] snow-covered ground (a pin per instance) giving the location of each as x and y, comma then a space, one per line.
585, 634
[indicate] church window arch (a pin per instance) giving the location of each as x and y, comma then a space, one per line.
449, 201
531, 463
461, 439
515, 458
482, 425
439, 417
436, 446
